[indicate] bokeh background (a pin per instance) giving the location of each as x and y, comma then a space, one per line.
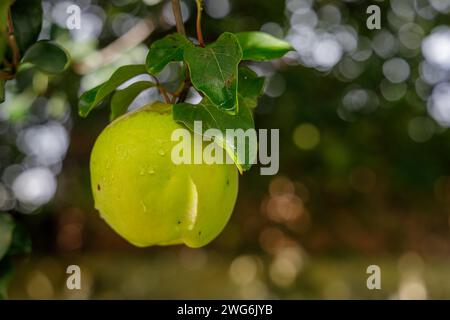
364, 157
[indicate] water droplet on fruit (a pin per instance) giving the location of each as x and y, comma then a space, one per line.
144, 206
161, 152
150, 170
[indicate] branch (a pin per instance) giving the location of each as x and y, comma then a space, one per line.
199, 23
178, 17
114, 50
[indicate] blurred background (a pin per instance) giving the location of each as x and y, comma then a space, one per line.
364, 166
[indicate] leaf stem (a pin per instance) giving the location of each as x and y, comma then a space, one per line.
199, 23
178, 17
6, 75
12, 41
162, 90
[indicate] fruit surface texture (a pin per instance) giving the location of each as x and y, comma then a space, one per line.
148, 199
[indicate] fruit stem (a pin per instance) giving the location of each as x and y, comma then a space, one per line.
178, 17
199, 23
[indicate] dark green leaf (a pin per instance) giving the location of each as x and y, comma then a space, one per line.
47, 56
92, 98
21, 242
6, 233
250, 87
214, 70
163, 51
123, 98
27, 19
6, 272
214, 118
260, 46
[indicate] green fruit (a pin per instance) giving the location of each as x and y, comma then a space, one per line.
148, 199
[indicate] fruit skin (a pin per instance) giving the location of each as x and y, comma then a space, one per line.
145, 197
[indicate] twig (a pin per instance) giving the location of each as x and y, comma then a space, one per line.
113, 51
199, 23
162, 90
178, 17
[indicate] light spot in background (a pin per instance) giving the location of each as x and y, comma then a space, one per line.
39, 286
151, 2
347, 37
217, 9
327, 52
330, 14
396, 70
421, 129
284, 208
410, 35
439, 104
403, 8
436, 47
360, 100
193, 97
6, 200
46, 143
304, 18
285, 266
393, 91
168, 13
424, 9
299, 6
243, 270
412, 288
384, 44
70, 229
441, 5
363, 51
431, 74
275, 86
350, 69
35, 186
306, 136
273, 28
281, 185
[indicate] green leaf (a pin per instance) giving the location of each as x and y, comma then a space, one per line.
214, 118
27, 20
21, 242
260, 46
47, 56
163, 51
214, 70
6, 233
123, 98
4, 7
250, 87
92, 98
